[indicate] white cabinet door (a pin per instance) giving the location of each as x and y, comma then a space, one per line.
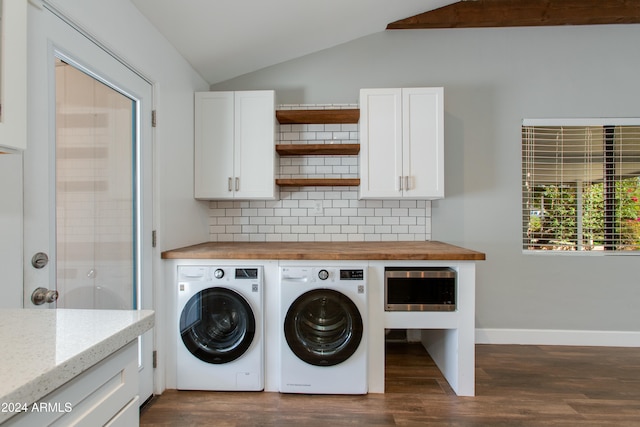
214, 141
235, 145
380, 143
423, 143
402, 143
255, 153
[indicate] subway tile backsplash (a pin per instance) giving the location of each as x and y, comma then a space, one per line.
319, 213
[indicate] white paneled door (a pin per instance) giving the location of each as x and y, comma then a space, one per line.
87, 178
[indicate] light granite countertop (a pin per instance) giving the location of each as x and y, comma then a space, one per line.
43, 349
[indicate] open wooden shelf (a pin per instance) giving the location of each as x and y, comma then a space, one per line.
318, 182
289, 117
317, 149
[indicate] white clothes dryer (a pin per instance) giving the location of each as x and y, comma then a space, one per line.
220, 343
324, 330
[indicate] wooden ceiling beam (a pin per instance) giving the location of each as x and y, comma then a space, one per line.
524, 13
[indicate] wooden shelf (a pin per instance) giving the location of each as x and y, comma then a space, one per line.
317, 149
318, 182
289, 117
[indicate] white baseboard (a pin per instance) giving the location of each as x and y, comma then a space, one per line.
558, 337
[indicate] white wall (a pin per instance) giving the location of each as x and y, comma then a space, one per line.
493, 78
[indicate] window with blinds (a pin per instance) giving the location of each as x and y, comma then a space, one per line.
581, 185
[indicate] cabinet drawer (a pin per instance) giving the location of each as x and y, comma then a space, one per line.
91, 399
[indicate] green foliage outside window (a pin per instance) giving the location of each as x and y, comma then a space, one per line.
554, 226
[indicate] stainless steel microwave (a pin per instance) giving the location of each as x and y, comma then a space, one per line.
419, 289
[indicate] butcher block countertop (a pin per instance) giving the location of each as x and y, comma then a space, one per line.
430, 250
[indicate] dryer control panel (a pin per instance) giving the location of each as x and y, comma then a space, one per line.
322, 274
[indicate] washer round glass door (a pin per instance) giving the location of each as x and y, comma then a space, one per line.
217, 325
323, 327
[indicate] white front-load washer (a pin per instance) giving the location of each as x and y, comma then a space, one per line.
220, 328
324, 329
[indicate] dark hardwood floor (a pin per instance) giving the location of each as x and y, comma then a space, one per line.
515, 386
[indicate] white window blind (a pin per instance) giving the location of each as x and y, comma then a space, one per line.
580, 185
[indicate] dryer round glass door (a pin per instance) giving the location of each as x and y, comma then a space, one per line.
217, 325
323, 327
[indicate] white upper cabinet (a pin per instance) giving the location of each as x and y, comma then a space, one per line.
13, 75
235, 154
402, 143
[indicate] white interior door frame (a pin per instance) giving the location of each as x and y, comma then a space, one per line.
53, 35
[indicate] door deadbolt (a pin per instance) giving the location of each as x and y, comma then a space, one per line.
44, 295
40, 260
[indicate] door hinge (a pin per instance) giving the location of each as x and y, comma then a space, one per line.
155, 359
154, 238
153, 118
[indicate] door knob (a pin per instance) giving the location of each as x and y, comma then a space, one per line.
44, 295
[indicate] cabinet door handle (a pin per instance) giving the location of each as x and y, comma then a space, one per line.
237, 184
400, 182
229, 185
406, 183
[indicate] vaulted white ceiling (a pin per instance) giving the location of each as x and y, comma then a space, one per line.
223, 39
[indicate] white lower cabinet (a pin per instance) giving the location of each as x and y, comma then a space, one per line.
402, 143
105, 395
235, 154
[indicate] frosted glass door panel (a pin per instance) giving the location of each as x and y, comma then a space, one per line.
95, 206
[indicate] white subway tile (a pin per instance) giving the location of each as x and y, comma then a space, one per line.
290, 220
249, 212
323, 237
408, 220
316, 229
399, 212
282, 212
373, 220
332, 229
340, 220
266, 229
390, 220
257, 220
283, 229
240, 220
349, 229
307, 220
372, 238
249, 229
299, 229
227, 220
357, 220
344, 217
324, 220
